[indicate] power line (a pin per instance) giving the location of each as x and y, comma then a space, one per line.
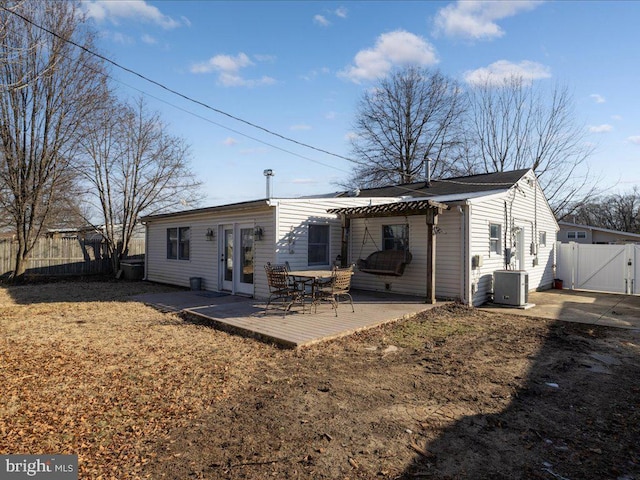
207, 106
171, 90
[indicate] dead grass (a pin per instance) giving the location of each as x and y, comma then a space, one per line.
450, 393
100, 377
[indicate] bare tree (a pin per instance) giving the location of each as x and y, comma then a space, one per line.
47, 87
514, 125
133, 167
615, 212
411, 115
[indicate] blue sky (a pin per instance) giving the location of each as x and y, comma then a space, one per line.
299, 68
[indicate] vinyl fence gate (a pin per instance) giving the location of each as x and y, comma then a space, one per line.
604, 268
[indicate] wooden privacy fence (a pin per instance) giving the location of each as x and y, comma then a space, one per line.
64, 256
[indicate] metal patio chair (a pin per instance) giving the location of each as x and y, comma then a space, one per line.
282, 287
338, 286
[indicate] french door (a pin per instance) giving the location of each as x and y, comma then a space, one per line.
236, 258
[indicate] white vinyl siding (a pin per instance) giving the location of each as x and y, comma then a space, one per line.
204, 258
414, 279
294, 217
525, 208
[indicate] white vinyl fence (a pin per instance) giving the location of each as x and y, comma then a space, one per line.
604, 268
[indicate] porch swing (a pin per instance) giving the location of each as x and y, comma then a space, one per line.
383, 262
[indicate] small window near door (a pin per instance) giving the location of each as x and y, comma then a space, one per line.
178, 243
495, 232
542, 240
395, 237
318, 250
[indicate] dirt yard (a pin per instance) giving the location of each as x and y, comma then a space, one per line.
453, 393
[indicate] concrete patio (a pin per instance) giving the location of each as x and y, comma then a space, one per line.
594, 308
247, 317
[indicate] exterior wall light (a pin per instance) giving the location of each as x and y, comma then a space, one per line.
210, 235
257, 233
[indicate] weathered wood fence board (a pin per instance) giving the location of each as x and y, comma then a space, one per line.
64, 256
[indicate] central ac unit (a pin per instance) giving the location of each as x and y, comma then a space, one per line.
511, 287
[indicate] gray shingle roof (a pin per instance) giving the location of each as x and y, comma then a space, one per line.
451, 186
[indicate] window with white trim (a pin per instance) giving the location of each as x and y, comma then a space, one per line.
178, 243
542, 239
495, 233
576, 235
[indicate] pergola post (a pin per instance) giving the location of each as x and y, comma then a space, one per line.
432, 220
344, 245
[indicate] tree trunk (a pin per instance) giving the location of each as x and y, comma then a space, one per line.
21, 263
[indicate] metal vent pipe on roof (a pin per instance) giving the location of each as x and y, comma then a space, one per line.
268, 173
427, 174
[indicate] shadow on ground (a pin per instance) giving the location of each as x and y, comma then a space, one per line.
576, 415
94, 288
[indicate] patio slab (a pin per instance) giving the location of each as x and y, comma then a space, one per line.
246, 315
595, 308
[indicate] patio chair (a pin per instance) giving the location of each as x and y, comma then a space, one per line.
337, 287
282, 287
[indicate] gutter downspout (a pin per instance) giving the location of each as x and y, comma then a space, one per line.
146, 250
466, 254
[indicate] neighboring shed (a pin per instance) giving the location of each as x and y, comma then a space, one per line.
573, 232
457, 231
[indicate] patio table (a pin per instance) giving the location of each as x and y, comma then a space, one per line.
311, 278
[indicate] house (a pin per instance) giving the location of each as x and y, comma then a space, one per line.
452, 235
573, 232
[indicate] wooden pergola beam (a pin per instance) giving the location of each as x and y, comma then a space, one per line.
428, 208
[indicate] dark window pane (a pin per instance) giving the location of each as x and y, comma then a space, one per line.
172, 243
185, 240
395, 237
318, 250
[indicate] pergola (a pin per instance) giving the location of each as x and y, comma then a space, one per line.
429, 208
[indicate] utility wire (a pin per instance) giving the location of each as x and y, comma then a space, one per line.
216, 110
171, 90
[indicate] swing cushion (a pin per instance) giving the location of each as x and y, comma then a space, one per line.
385, 262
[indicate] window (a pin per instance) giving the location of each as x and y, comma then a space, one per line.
395, 237
178, 240
495, 232
318, 250
574, 235
542, 240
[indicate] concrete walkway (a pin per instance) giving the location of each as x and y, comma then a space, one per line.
246, 315
595, 308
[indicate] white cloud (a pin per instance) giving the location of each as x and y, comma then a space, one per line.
634, 139
604, 128
617, 118
231, 80
321, 20
330, 115
130, 9
597, 98
230, 141
341, 12
313, 74
391, 49
228, 67
476, 20
503, 70
148, 39
300, 127
119, 37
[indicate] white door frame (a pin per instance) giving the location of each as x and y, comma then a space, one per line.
234, 270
